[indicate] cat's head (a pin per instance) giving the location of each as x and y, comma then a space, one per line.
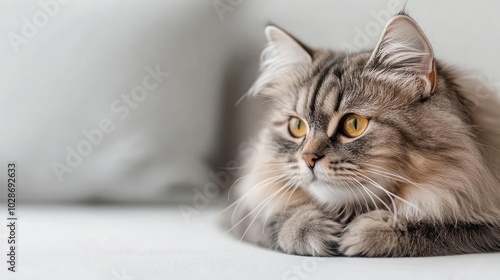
351, 124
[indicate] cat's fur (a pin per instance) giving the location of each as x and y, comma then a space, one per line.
421, 181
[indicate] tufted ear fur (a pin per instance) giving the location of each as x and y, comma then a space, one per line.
288, 49
403, 45
283, 57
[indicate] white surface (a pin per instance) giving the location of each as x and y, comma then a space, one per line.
77, 242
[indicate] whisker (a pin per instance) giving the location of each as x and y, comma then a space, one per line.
390, 173
255, 165
388, 193
261, 209
265, 202
293, 185
249, 191
352, 195
392, 194
361, 193
275, 181
368, 193
291, 182
248, 175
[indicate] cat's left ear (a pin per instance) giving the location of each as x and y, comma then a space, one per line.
403, 45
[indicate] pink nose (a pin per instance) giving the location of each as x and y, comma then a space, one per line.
311, 159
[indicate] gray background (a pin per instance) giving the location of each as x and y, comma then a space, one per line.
89, 53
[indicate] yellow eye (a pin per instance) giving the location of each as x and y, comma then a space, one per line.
297, 127
354, 125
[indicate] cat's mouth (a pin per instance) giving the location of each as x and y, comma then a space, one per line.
314, 177
317, 175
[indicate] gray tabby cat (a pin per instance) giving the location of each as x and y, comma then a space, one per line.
370, 154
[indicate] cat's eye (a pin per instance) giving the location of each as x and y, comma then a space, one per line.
354, 125
297, 127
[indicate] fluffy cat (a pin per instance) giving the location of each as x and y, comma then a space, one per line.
378, 153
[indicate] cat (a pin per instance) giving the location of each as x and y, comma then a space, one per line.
375, 154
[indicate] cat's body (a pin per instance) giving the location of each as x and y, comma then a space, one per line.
394, 159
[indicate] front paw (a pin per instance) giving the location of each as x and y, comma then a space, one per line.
309, 232
374, 234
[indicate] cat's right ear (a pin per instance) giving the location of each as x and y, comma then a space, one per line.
288, 49
281, 60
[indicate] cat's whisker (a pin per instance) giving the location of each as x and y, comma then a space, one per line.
287, 178
293, 180
276, 180
387, 192
373, 183
391, 176
252, 188
361, 193
249, 191
355, 203
364, 197
255, 165
392, 194
352, 195
293, 186
383, 170
358, 202
344, 209
266, 202
366, 191
248, 175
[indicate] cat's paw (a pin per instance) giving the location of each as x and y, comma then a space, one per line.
374, 234
309, 232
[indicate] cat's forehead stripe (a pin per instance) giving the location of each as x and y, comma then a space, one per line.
340, 95
326, 97
319, 84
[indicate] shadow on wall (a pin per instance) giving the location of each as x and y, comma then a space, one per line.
238, 122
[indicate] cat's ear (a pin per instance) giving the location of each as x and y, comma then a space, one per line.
288, 49
283, 58
403, 45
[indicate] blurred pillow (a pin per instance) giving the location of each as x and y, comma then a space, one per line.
114, 100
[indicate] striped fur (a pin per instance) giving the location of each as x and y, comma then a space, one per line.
420, 181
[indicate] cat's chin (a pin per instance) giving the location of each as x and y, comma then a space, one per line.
332, 193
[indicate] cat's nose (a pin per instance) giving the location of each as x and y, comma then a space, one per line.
311, 159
